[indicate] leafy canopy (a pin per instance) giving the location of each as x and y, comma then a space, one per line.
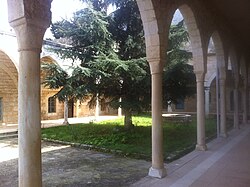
112, 48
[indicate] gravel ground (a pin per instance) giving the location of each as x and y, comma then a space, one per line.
73, 167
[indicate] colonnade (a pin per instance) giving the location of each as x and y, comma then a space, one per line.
30, 19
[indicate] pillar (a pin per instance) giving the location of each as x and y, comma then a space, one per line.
66, 112
97, 107
29, 20
207, 100
245, 100
157, 169
120, 109
236, 105
223, 115
201, 138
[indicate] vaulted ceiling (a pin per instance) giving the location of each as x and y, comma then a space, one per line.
236, 14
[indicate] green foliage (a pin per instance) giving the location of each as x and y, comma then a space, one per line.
74, 86
112, 135
86, 36
127, 30
179, 79
181, 86
113, 48
128, 80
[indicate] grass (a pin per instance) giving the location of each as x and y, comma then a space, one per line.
111, 135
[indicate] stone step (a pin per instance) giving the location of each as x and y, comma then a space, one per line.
8, 135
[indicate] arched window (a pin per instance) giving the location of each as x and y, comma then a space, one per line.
52, 105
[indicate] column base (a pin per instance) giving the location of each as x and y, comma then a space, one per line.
66, 123
223, 135
236, 127
157, 173
201, 147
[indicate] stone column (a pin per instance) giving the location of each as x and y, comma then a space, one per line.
207, 100
29, 20
120, 109
97, 107
223, 115
66, 112
201, 144
157, 169
236, 105
245, 100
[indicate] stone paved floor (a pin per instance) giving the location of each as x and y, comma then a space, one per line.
226, 163
73, 167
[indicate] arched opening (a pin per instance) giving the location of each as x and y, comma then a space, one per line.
8, 90
210, 79
199, 61
51, 108
194, 46
180, 46
244, 90
236, 80
229, 88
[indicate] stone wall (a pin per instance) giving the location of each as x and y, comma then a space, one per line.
45, 115
8, 90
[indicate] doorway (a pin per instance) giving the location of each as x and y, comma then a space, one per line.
71, 108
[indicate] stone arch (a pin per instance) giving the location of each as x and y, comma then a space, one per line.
210, 80
8, 90
13, 59
9, 67
46, 93
220, 54
195, 38
234, 61
47, 59
9, 46
156, 19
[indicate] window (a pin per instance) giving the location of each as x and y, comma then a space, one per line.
180, 104
1, 109
52, 104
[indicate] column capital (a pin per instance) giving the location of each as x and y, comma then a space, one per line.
156, 66
200, 76
30, 19
32, 10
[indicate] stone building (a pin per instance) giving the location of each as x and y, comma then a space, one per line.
51, 108
226, 22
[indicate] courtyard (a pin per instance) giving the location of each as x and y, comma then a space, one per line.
68, 166
224, 164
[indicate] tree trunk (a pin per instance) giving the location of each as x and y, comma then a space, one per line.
66, 112
128, 119
97, 107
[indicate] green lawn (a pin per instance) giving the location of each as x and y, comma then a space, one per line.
136, 142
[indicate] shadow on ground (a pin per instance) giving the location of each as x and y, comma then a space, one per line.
73, 167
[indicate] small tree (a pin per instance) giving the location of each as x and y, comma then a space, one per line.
71, 87
126, 84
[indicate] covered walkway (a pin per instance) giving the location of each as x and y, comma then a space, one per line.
226, 22
225, 163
